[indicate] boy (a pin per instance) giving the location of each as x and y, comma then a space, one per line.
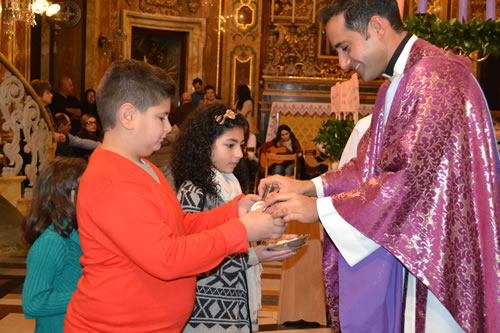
141, 253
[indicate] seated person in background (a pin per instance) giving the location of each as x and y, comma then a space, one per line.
284, 142
207, 151
89, 128
42, 89
210, 97
88, 103
53, 264
184, 110
197, 96
65, 102
141, 252
67, 148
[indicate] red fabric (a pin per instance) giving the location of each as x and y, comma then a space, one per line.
141, 252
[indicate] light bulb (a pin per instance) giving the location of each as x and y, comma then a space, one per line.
40, 6
53, 9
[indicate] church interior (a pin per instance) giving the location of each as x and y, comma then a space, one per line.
277, 48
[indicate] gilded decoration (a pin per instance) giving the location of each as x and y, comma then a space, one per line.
165, 7
194, 5
292, 10
246, 13
291, 51
242, 54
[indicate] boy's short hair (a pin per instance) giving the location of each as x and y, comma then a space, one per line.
41, 86
134, 82
197, 80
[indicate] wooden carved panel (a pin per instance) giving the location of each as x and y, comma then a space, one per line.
165, 7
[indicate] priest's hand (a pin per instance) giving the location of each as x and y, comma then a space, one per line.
287, 184
292, 207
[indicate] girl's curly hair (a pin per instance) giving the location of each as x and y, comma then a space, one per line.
193, 150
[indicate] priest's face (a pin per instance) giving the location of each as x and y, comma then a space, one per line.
366, 54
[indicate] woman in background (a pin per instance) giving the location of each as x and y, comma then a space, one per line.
289, 143
244, 104
53, 264
89, 128
88, 103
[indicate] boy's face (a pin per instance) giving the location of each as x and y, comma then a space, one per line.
151, 127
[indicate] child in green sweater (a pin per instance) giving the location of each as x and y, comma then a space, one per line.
53, 264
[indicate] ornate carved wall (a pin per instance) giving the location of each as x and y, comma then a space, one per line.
242, 40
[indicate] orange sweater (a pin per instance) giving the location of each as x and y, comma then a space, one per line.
141, 253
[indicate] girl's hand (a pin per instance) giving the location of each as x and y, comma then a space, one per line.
264, 254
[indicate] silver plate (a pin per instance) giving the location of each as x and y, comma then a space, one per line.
291, 244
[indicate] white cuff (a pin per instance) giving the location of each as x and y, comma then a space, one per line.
318, 183
353, 245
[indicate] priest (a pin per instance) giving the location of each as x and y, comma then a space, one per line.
413, 221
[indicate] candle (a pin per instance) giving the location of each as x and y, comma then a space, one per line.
422, 6
272, 11
462, 10
491, 9
293, 11
401, 6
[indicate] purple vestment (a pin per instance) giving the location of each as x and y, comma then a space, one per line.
426, 188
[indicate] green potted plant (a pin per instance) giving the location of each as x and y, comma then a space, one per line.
333, 136
477, 39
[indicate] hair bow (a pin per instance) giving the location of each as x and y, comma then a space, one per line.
222, 118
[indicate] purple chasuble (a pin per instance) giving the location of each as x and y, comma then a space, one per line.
426, 188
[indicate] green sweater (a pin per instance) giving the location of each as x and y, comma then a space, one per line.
52, 272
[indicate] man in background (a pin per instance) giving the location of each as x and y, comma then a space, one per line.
73, 146
197, 96
65, 102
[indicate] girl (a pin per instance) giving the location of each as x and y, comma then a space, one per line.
53, 267
208, 150
285, 138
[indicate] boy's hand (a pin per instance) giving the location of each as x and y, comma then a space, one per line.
245, 203
261, 226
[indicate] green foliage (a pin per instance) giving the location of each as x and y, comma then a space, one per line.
478, 35
333, 136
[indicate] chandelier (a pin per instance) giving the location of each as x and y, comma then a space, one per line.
24, 11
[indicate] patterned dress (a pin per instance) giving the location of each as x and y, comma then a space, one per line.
221, 303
